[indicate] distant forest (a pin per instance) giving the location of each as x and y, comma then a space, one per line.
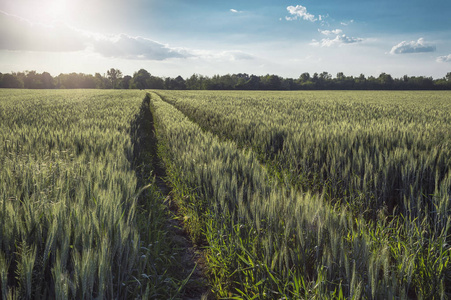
142, 79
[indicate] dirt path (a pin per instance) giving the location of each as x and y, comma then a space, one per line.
190, 257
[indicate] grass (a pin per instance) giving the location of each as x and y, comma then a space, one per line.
314, 195
306, 195
80, 215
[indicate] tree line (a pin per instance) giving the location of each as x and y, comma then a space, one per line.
142, 79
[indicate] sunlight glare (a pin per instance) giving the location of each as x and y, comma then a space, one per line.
53, 10
57, 9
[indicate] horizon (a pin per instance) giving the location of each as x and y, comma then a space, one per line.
171, 38
333, 76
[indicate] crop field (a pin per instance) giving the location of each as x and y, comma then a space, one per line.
291, 195
314, 194
77, 218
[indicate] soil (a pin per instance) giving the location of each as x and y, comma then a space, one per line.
191, 257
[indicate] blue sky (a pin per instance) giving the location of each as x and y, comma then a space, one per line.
174, 37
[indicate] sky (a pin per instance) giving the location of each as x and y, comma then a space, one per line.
174, 37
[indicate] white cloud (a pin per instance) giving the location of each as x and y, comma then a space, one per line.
323, 20
18, 34
230, 55
238, 55
299, 11
445, 58
331, 32
235, 11
337, 41
128, 47
347, 23
412, 47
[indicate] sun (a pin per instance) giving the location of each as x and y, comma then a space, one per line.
57, 9
49, 11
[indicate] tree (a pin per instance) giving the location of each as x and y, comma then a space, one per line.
88, 81
323, 81
47, 81
99, 81
194, 82
177, 83
155, 82
304, 77
253, 83
69, 81
125, 82
11, 81
315, 77
325, 76
31, 80
360, 82
114, 75
289, 84
385, 80
241, 81
140, 79
227, 82
271, 82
